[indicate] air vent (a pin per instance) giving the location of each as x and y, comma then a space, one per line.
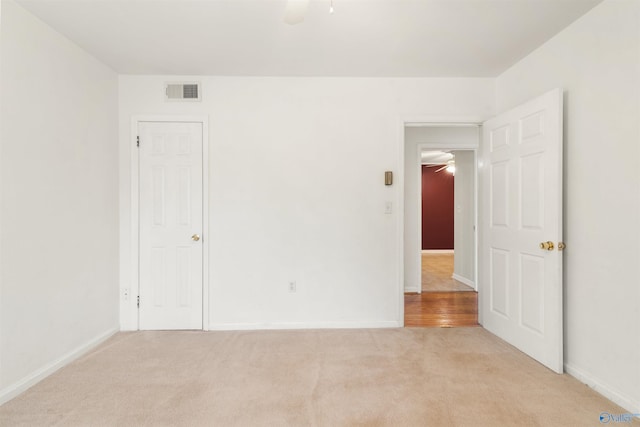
182, 91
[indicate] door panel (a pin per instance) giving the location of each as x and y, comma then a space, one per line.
521, 184
500, 282
171, 262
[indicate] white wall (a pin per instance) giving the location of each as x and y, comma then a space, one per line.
1, 203
597, 62
415, 139
59, 194
464, 218
297, 191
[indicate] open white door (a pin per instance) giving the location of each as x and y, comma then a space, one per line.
521, 187
171, 224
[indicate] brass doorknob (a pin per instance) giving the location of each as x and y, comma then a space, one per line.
547, 245
195, 237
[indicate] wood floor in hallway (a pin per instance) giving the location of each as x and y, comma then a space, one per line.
437, 269
441, 309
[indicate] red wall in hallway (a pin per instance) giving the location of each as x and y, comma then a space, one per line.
437, 209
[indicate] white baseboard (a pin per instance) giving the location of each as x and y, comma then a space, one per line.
30, 380
464, 280
412, 289
438, 251
604, 389
310, 325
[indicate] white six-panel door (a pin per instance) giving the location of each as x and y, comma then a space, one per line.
521, 185
170, 156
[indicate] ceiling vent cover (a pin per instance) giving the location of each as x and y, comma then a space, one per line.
185, 91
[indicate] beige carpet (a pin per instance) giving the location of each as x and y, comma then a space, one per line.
387, 377
437, 270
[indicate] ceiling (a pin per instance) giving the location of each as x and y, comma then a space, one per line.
362, 38
435, 157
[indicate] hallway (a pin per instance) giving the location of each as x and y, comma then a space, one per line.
437, 269
444, 302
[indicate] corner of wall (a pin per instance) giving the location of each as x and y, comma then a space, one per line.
596, 61
13, 390
605, 389
66, 193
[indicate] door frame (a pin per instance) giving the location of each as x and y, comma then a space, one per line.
457, 147
431, 121
134, 313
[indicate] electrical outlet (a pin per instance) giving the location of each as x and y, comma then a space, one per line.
292, 286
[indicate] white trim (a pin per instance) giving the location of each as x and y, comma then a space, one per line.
205, 223
442, 121
131, 322
134, 320
476, 219
438, 251
417, 274
413, 290
35, 377
438, 146
604, 389
464, 280
426, 121
253, 326
400, 178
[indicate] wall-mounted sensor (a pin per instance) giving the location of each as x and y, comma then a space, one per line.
388, 178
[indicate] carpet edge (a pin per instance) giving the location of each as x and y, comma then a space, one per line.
605, 390
22, 385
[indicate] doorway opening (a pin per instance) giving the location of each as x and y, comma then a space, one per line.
447, 220
440, 225
520, 203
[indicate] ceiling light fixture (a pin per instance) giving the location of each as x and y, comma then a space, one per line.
296, 11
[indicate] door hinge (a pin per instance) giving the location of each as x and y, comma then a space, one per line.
138, 141
138, 301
